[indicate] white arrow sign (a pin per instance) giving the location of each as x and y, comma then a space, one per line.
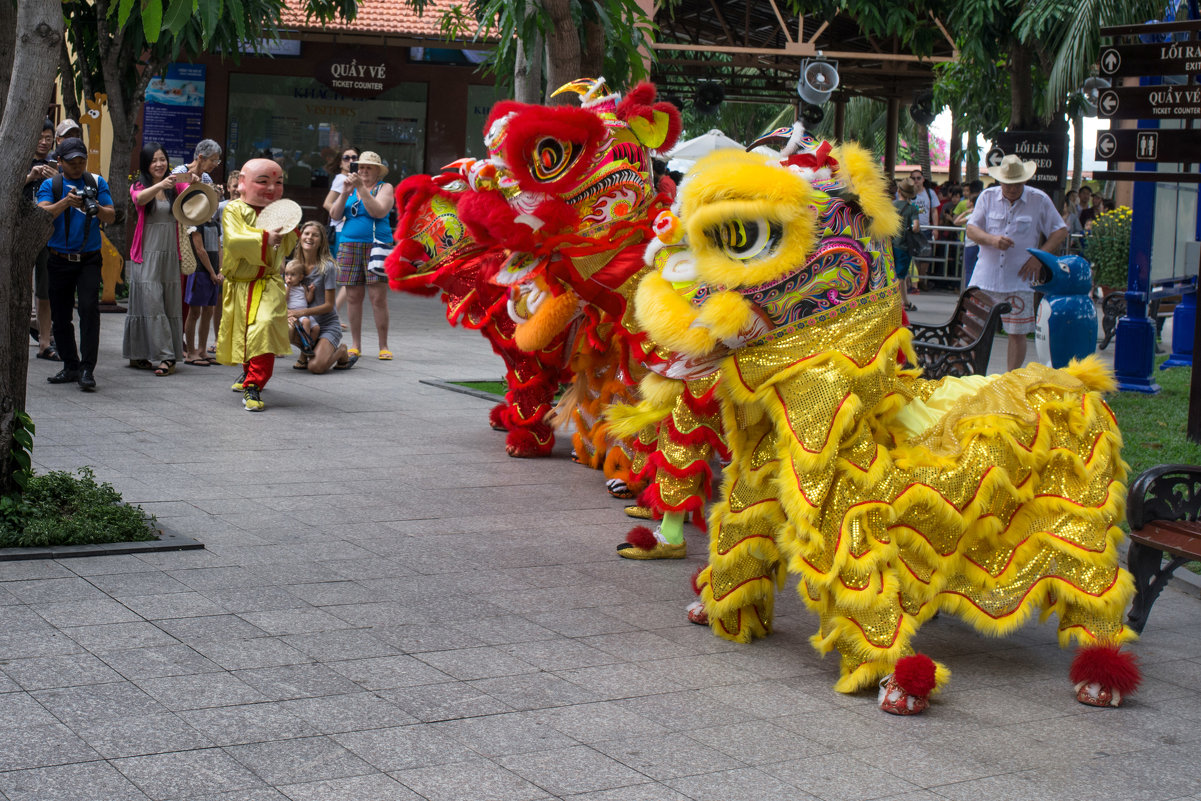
1107, 145
995, 156
1110, 61
1108, 102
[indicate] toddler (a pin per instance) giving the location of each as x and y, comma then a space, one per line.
301, 297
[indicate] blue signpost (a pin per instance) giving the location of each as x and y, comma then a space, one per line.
1134, 354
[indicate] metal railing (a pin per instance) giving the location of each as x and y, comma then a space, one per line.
942, 266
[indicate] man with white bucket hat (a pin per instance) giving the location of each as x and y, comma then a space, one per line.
1010, 217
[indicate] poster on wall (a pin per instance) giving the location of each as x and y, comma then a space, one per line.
174, 111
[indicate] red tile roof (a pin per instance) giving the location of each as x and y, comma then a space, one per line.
393, 17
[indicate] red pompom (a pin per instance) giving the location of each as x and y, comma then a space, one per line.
915, 674
696, 574
1108, 666
641, 537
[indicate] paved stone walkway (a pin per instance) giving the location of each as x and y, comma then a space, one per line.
390, 608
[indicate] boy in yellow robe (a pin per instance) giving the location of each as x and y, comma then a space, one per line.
254, 321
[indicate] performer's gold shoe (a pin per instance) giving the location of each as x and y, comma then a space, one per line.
661, 550
639, 512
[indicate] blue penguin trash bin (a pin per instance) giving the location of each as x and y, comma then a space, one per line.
1066, 326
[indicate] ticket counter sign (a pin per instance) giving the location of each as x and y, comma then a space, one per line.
1163, 102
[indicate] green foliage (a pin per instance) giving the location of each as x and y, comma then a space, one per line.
60, 509
1153, 426
1107, 246
12, 504
627, 31
742, 122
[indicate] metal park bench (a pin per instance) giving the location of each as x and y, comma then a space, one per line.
1164, 511
961, 345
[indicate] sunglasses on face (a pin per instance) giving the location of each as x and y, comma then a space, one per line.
349, 158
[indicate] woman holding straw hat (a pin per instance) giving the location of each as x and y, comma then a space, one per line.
154, 324
364, 204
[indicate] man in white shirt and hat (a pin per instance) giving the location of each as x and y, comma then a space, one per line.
1008, 218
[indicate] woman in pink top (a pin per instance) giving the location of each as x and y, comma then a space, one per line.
154, 324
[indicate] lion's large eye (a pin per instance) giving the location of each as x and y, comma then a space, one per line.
552, 158
746, 239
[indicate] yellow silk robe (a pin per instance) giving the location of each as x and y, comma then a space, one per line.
254, 304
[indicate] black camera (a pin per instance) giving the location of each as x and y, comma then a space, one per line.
354, 166
90, 207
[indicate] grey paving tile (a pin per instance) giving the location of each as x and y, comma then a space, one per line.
220, 577
743, 784
476, 663
329, 593
332, 646
159, 661
253, 599
336, 714
758, 742
247, 723
69, 670
559, 654
221, 628
84, 781
294, 621
296, 681
95, 566
21, 617
405, 747
637, 792
187, 603
668, 756
564, 771
371, 787
114, 636
449, 701
478, 779
388, 672
591, 723
76, 705
295, 761
827, 777
38, 746
247, 794
32, 570
114, 737
260, 652
146, 581
20, 709
54, 590
186, 773
199, 691
512, 733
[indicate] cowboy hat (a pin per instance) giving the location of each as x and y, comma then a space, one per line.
907, 189
196, 204
1012, 170
371, 157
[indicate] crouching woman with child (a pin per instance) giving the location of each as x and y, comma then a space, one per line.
320, 275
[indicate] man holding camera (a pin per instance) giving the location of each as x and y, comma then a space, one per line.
79, 202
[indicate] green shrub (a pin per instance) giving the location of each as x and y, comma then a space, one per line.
59, 508
1108, 247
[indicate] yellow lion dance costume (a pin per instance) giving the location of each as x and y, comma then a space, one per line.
892, 497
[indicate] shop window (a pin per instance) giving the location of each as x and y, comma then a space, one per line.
304, 125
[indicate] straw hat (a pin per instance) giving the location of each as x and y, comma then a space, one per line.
282, 214
907, 189
196, 205
1012, 170
371, 157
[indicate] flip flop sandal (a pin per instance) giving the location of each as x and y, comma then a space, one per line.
385, 355
50, 355
352, 351
301, 365
350, 362
165, 368
141, 364
198, 362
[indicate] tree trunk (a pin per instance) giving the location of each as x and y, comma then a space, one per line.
955, 152
527, 69
66, 76
1021, 89
592, 55
562, 50
1077, 150
921, 152
32, 39
971, 159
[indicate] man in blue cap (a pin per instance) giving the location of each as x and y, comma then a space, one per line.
79, 202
